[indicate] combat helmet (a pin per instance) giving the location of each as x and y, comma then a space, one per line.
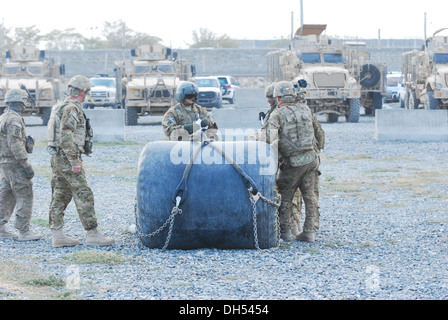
80, 82
186, 88
269, 91
16, 95
285, 90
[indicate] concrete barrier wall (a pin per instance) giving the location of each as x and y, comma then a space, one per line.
248, 65
417, 125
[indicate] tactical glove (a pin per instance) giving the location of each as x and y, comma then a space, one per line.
204, 124
189, 128
29, 172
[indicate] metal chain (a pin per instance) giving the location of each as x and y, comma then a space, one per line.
175, 211
253, 199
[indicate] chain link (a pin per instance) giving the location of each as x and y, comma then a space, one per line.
253, 200
170, 221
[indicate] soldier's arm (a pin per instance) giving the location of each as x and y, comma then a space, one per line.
319, 133
169, 123
16, 140
69, 121
204, 114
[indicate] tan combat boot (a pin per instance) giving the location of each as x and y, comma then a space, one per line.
61, 240
5, 234
29, 236
306, 236
94, 237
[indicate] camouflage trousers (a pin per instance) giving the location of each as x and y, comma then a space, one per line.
16, 192
295, 210
303, 178
67, 185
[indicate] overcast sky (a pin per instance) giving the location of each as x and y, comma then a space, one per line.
173, 21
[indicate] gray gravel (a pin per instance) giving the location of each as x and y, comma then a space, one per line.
383, 231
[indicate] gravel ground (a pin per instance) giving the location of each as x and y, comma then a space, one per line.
383, 232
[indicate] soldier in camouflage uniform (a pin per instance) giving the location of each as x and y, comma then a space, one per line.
290, 129
295, 211
186, 120
68, 139
16, 186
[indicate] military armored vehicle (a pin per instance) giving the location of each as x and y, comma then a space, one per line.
26, 68
425, 74
332, 89
150, 85
369, 74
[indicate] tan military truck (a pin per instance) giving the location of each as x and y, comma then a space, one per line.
371, 75
425, 75
26, 68
331, 90
149, 87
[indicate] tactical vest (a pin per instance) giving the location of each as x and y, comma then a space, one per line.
54, 127
185, 117
297, 135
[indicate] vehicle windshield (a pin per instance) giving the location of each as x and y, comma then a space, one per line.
393, 81
333, 58
161, 68
313, 57
441, 58
29, 70
110, 83
207, 83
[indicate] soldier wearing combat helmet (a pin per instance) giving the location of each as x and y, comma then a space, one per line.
69, 137
290, 129
188, 120
16, 186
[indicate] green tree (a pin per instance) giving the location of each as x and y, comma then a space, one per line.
28, 36
204, 38
67, 39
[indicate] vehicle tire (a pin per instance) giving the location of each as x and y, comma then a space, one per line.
401, 103
131, 116
353, 112
45, 115
370, 75
232, 101
377, 101
413, 101
332, 117
430, 102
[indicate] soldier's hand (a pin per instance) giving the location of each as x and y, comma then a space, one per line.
76, 169
29, 172
189, 128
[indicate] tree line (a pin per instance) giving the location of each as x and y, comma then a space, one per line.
114, 35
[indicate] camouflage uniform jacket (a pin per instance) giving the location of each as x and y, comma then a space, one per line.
69, 131
12, 138
179, 115
290, 129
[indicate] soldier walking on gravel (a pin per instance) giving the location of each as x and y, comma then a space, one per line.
290, 128
16, 186
70, 136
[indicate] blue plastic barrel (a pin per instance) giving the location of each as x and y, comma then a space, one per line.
216, 210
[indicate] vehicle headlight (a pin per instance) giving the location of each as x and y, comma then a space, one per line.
136, 92
45, 93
